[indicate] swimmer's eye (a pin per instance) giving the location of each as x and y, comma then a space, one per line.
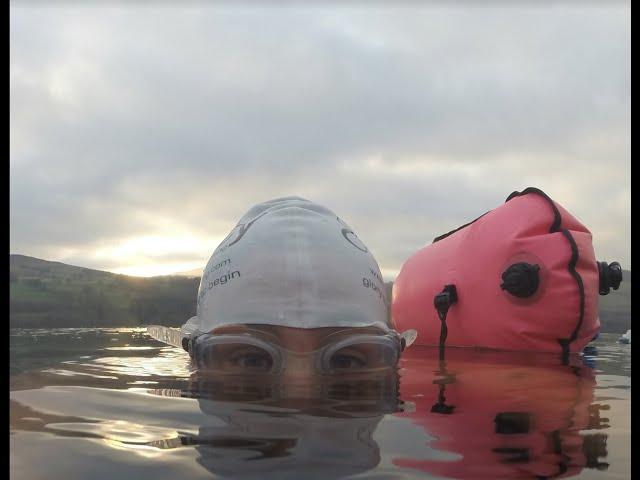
348, 359
226, 354
362, 356
252, 358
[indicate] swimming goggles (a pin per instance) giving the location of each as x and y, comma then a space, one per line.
256, 351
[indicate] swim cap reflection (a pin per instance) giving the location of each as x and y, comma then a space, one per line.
293, 263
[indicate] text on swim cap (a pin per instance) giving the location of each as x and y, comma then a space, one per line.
368, 283
222, 280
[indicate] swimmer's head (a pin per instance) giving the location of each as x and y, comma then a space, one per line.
293, 280
292, 263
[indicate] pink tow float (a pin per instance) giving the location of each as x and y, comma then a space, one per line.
523, 276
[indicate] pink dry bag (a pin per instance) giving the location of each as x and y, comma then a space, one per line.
523, 276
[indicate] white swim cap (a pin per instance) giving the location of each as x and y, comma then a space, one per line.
293, 263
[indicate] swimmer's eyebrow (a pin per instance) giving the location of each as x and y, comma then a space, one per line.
283, 334
232, 329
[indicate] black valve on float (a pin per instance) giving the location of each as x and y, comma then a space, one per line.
610, 276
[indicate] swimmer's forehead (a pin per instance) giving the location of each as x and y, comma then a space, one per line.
291, 335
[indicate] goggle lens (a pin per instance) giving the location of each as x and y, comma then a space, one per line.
360, 356
235, 357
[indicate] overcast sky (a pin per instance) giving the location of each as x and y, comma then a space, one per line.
140, 135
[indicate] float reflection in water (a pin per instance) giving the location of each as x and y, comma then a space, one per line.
323, 427
509, 415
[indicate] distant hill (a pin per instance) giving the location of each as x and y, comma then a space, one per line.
52, 294
195, 273
615, 308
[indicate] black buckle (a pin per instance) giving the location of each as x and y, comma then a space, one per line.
446, 298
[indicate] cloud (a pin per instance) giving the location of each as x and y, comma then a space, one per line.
130, 122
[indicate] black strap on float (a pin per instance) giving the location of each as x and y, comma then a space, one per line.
556, 226
442, 301
566, 342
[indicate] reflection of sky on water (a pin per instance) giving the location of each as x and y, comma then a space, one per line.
132, 407
167, 362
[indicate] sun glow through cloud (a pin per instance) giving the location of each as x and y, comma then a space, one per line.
153, 270
152, 255
154, 246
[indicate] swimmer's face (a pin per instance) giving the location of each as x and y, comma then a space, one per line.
299, 350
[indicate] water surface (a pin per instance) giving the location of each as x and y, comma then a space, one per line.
113, 403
